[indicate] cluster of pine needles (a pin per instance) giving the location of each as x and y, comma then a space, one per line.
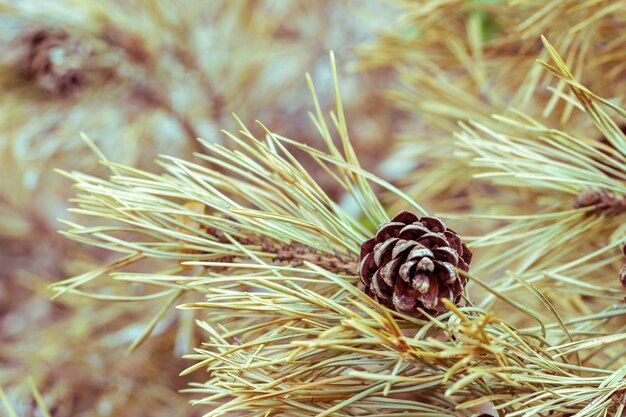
254, 264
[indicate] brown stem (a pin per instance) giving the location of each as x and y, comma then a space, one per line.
214, 97
153, 97
143, 60
295, 254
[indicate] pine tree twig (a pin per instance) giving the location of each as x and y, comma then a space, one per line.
152, 96
294, 254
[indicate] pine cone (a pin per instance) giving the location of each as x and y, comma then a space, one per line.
54, 61
604, 202
411, 263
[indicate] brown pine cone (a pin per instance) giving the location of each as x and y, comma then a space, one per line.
54, 60
411, 263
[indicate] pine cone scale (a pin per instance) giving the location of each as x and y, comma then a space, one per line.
367, 267
448, 254
413, 231
405, 218
401, 247
420, 251
388, 230
379, 287
466, 254
425, 264
421, 283
383, 251
390, 270
429, 297
404, 297
446, 271
412, 263
432, 240
406, 270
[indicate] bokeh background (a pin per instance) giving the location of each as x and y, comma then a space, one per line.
147, 77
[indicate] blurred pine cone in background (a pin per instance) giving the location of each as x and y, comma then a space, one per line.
54, 60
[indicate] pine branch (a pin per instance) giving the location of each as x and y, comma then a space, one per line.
270, 259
